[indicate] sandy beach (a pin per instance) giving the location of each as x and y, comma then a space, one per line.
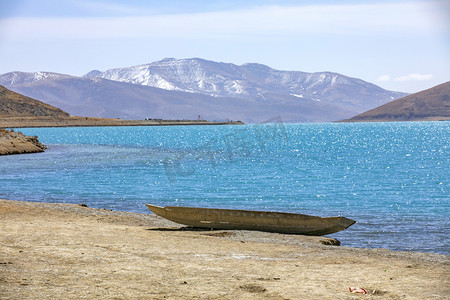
68, 251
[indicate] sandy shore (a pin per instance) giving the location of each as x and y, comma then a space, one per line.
61, 251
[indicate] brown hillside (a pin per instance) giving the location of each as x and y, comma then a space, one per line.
428, 105
16, 105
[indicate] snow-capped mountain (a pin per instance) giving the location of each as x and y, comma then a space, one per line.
185, 88
196, 75
18, 78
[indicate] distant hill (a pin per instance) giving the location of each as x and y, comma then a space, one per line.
185, 88
13, 104
428, 105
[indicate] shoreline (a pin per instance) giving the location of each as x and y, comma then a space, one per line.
32, 122
72, 251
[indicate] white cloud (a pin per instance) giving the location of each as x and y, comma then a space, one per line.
384, 78
362, 19
414, 77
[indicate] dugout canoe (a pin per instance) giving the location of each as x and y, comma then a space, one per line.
252, 220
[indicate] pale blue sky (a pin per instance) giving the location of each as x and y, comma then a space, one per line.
399, 45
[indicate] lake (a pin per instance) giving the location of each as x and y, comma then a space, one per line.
392, 178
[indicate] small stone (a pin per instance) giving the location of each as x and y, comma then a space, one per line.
330, 241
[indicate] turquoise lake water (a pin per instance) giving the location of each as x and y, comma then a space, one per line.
392, 178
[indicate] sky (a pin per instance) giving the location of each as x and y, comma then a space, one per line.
399, 45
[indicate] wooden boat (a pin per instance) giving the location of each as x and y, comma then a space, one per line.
252, 220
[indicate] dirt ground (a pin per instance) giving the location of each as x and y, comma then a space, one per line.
62, 251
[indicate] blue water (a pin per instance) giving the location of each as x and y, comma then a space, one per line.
392, 178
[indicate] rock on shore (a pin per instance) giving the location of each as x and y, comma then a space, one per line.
12, 142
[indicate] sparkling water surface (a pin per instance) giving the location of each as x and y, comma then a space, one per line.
392, 178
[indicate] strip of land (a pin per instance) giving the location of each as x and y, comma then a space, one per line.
66, 251
24, 122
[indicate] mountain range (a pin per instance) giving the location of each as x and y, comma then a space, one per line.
185, 88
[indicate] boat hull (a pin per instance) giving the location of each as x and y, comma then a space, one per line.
252, 220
